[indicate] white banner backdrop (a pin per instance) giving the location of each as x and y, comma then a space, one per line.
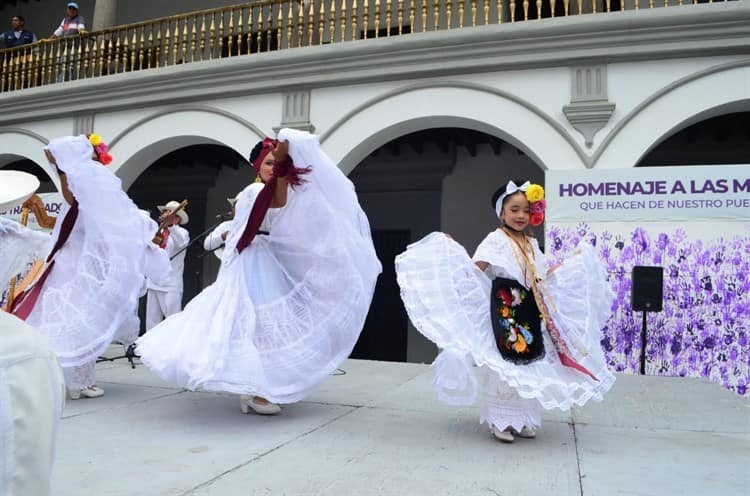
52, 205
692, 221
650, 193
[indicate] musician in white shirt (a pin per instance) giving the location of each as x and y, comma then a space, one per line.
165, 298
216, 239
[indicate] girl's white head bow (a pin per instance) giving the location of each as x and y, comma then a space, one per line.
509, 190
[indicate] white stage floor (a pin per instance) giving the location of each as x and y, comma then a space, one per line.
379, 430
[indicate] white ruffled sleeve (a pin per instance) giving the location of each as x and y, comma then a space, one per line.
495, 249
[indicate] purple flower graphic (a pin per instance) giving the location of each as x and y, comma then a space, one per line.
702, 330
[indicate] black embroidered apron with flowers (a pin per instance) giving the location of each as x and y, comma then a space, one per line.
516, 322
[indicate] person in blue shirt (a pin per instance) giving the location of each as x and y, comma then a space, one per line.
18, 35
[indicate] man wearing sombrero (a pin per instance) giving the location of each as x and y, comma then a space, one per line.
31, 381
165, 298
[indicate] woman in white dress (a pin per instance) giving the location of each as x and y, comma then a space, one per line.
297, 277
101, 252
534, 332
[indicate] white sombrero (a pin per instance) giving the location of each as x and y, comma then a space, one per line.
172, 206
15, 188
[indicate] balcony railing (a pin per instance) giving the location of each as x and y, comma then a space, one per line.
271, 25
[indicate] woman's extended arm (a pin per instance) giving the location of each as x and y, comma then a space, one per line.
281, 158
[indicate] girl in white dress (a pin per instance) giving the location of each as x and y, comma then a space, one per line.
534, 332
101, 252
297, 276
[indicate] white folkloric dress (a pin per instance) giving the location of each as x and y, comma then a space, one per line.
288, 309
91, 294
448, 299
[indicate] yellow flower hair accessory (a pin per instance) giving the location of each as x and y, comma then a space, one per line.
100, 149
534, 193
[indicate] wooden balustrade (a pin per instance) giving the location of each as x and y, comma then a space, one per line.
265, 26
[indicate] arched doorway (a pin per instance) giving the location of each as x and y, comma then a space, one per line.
205, 175
723, 139
435, 179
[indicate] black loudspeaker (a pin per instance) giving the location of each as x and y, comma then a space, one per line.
647, 292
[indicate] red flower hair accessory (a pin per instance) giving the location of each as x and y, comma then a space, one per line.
537, 204
536, 219
100, 148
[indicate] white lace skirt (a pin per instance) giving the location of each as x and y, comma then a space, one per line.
80, 377
447, 298
262, 330
503, 407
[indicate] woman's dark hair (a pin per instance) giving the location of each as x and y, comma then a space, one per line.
256, 151
501, 191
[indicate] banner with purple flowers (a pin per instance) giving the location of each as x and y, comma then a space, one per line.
692, 221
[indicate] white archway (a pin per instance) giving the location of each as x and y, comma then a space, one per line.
703, 95
19, 144
451, 104
147, 140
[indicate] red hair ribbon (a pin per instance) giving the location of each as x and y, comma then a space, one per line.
267, 146
281, 168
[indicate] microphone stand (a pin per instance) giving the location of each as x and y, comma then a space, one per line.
200, 236
130, 350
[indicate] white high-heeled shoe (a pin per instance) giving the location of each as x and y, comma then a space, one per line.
89, 392
504, 436
526, 432
248, 402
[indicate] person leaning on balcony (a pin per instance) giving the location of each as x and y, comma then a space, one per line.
18, 35
71, 25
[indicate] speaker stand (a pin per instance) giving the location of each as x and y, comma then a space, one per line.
129, 354
643, 344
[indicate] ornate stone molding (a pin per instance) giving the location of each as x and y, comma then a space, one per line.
589, 110
295, 111
83, 124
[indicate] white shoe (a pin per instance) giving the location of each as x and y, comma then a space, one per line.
526, 432
504, 436
89, 392
248, 402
